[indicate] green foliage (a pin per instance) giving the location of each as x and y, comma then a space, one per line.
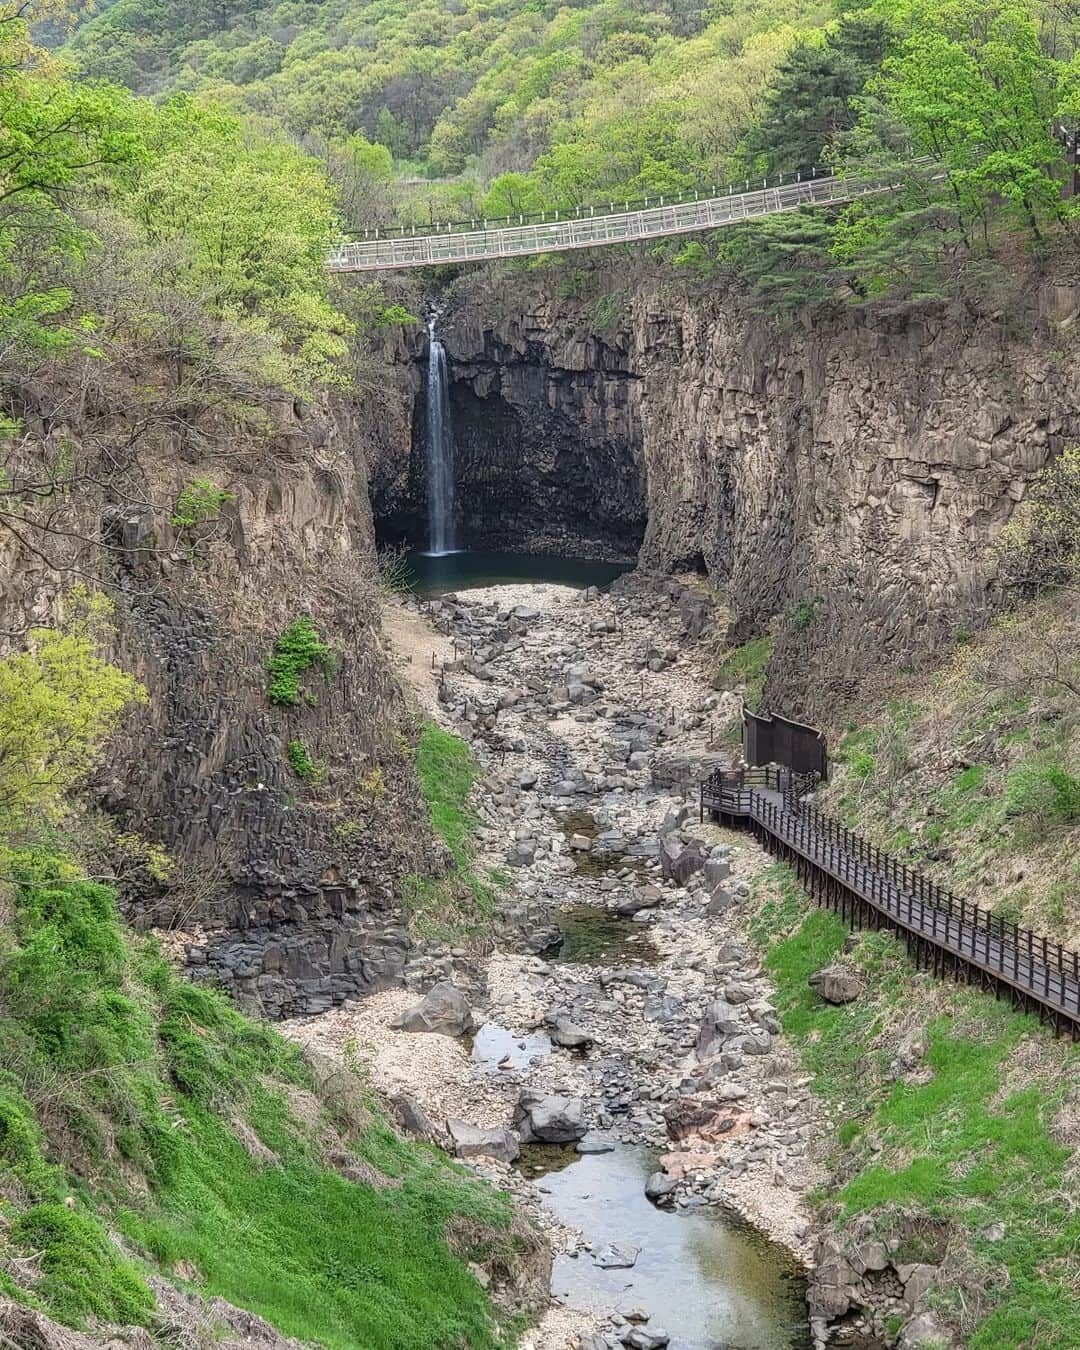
199, 501
84, 1275
59, 139
463, 904
1043, 792
966, 1147
298, 650
447, 770
310, 770
250, 222
811, 100
394, 315
59, 700
201, 1137
745, 665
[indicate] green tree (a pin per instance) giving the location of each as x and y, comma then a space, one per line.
60, 700
253, 221
811, 104
58, 143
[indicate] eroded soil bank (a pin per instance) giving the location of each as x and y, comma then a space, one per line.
624, 987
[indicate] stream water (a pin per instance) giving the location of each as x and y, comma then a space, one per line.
711, 1282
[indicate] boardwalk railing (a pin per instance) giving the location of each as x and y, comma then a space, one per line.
846, 872
596, 228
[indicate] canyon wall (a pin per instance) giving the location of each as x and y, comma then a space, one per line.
279, 886
843, 480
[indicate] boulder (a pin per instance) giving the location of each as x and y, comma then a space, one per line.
836, 985
720, 901
646, 1338
660, 1187
924, 1332
679, 861
444, 1009
569, 1036
595, 1143
720, 1022
473, 1141
616, 1256
548, 1118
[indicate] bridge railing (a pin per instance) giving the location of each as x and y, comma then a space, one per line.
431, 250
1027, 961
589, 211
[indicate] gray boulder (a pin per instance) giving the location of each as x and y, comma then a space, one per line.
924, 1332
836, 985
473, 1141
569, 1036
721, 1021
616, 1256
548, 1118
660, 1187
444, 1009
646, 1338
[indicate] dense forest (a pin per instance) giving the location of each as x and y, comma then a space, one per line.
429, 113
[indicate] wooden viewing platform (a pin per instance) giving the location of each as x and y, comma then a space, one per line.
867, 887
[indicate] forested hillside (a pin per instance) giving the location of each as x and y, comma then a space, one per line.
460, 111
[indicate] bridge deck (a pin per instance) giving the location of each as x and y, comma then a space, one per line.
1034, 969
592, 230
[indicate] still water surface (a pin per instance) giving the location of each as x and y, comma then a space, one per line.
430, 575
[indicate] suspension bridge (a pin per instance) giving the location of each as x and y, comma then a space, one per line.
590, 227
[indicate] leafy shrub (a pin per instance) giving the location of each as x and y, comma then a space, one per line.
296, 651
84, 1274
1047, 793
199, 501
303, 765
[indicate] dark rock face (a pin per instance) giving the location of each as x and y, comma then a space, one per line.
547, 451
284, 889
843, 482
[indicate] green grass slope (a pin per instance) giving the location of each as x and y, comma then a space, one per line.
975, 1150
146, 1127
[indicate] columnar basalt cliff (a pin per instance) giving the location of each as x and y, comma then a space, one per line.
548, 453
284, 881
844, 480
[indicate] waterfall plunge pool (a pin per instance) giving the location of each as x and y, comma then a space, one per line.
432, 575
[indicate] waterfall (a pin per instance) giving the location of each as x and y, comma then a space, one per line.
440, 451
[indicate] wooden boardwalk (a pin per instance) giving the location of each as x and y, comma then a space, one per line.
868, 887
591, 227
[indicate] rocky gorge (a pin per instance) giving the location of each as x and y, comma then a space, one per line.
625, 1006
843, 479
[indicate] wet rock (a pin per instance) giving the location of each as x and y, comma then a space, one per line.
444, 1009
595, 1143
660, 1187
616, 1256
547, 1118
836, 985
473, 1141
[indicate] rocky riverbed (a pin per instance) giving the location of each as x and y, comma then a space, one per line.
624, 1007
